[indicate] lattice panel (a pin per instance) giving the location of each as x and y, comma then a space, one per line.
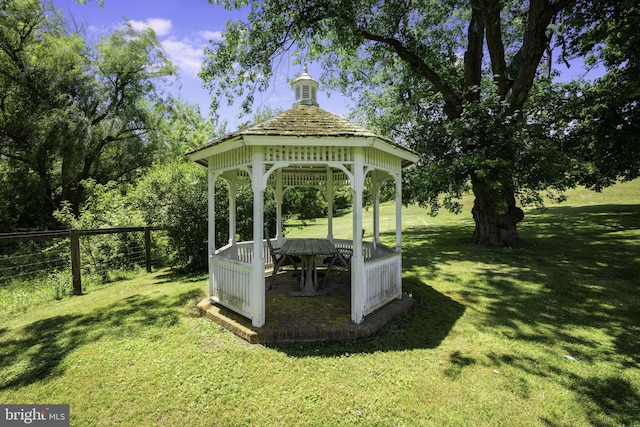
311, 154
303, 179
231, 158
382, 160
311, 179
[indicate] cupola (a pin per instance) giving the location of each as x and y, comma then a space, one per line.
305, 88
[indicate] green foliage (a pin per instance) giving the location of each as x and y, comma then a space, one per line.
183, 128
305, 203
174, 196
463, 83
71, 111
107, 206
342, 199
607, 129
607, 122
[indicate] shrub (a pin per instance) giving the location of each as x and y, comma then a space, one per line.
107, 206
174, 196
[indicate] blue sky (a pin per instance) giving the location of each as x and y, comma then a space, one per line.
184, 28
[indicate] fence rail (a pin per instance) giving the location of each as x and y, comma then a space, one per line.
73, 252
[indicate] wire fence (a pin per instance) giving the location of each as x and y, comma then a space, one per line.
51, 265
26, 259
101, 255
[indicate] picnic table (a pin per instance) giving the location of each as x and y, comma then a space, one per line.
308, 250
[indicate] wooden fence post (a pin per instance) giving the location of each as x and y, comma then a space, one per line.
147, 249
74, 242
74, 237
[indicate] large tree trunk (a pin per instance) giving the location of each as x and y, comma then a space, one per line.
496, 217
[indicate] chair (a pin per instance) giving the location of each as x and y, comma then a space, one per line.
341, 259
279, 259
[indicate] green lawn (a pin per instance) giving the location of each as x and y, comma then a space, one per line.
547, 334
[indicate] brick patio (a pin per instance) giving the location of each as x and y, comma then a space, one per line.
293, 318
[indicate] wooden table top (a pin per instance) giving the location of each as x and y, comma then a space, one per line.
308, 247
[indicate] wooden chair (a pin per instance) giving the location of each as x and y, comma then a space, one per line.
279, 259
341, 259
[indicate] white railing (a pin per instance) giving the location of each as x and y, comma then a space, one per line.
241, 251
230, 280
368, 250
230, 283
382, 276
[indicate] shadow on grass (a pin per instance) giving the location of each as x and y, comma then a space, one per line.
42, 346
572, 287
577, 267
181, 275
569, 256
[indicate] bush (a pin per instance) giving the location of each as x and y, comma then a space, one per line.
107, 206
174, 196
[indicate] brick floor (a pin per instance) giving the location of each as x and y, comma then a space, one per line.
326, 316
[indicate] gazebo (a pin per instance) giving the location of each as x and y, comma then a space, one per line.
304, 146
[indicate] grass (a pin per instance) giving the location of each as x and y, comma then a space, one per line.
18, 295
546, 334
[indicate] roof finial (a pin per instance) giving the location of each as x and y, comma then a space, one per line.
304, 69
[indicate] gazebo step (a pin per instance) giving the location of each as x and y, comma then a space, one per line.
239, 325
325, 326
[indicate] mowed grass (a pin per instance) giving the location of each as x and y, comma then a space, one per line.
547, 334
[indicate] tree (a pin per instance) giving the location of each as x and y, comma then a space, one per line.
39, 65
183, 128
69, 111
468, 84
606, 116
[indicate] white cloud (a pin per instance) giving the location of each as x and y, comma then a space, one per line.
210, 35
185, 54
162, 27
188, 53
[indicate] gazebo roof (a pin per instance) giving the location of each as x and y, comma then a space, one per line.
304, 121
308, 120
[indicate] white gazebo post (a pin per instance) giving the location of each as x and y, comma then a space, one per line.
377, 179
279, 196
398, 181
357, 260
211, 220
258, 185
329, 193
231, 177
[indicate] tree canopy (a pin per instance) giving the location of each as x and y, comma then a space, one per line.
70, 111
607, 119
468, 84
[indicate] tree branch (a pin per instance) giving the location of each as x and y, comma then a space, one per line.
13, 155
495, 45
451, 98
473, 54
534, 44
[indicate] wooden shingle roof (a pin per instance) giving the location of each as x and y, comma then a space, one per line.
308, 120
303, 121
